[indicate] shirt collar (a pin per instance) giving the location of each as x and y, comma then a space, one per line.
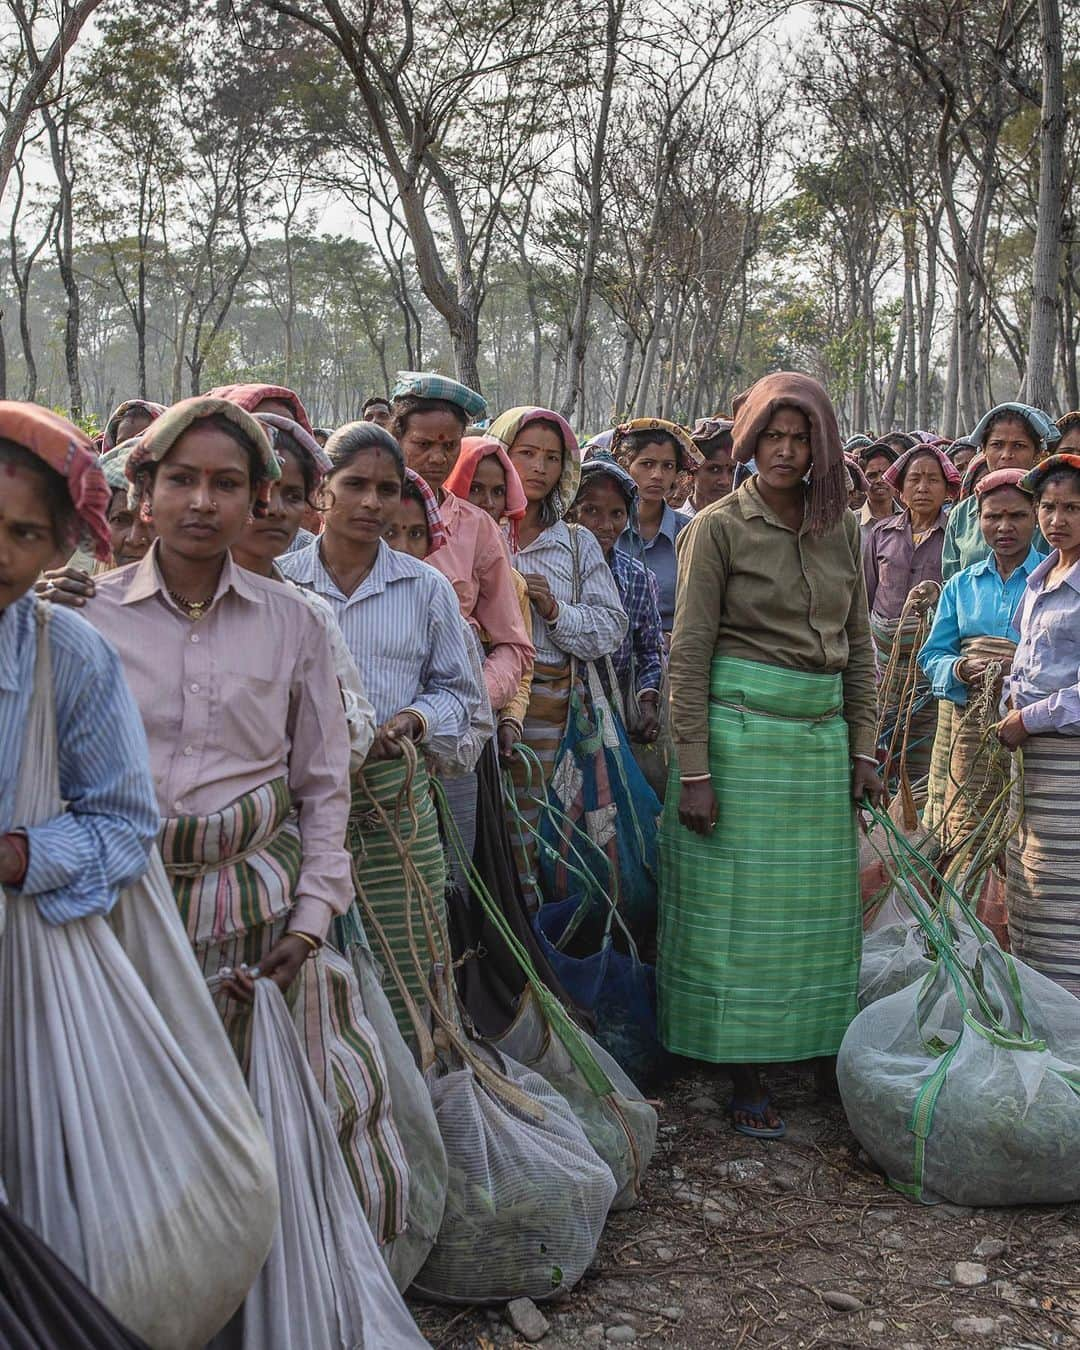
15, 624
450, 510
752, 504
1025, 569
148, 581
390, 566
671, 523
1071, 577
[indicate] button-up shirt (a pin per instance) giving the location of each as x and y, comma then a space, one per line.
475, 560
867, 521
246, 695
641, 653
596, 624
895, 564
658, 555
403, 628
1045, 678
752, 587
82, 858
964, 543
974, 603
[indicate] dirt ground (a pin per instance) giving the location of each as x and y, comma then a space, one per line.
741, 1244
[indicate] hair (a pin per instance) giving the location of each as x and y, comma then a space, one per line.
721, 443
634, 442
1066, 476
147, 471
1011, 415
405, 405
873, 452
62, 514
591, 478
354, 438
373, 400
284, 440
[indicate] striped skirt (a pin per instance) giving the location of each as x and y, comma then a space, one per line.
1043, 860
760, 921
907, 713
545, 723
233, 874
393, 836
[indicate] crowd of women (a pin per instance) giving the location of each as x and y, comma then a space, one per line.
435, 718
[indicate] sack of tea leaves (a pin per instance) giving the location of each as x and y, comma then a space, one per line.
966, 1085
900, 954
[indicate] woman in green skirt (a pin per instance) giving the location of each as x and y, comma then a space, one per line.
773, 722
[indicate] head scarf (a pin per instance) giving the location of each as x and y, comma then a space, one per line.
1067, 421
601, 441
964, 443
894, 474
459, 480
435, 527
114, 463
508, 425
708, 428
422, 384
249, 396
108, 439
828, 490
856, 476
1033, 480
603, 464
858, 442
1000, 478
875, 448
689, 458
160, 437
1045, 430
309, 446
63, 447
972, 474
927, 438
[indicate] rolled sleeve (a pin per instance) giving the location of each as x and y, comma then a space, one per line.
1058, 712
704, 562
941, 650
510, 650
860, 694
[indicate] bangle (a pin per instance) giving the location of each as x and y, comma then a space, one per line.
868, 759
306, 937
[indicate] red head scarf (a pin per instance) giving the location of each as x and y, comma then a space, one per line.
249, 396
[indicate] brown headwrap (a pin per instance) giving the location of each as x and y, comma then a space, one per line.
828, 490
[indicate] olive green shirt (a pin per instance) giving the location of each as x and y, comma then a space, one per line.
752, 587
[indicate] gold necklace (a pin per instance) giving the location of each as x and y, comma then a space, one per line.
193, 609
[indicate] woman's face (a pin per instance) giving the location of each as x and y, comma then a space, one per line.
677, 494
961, 456
654, 469
924, 489
360, 499
1059, 516
1070, 441
202, 494
276, 405
880, 491
431, 443
408, 530
130, 536
537, 454
1007, 521
268, 537
1009, 445
133, 422
783, 450
28, 543
713, 479
601, 508
488, 490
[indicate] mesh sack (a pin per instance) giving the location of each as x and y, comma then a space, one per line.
966, 1087
323, 1283
620, 1125
899, 953
527, 1194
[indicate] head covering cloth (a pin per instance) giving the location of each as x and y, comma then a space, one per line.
856, 476
249, 396
459, 480
754, 409
1001, 478
972, 474
689, 456
895, 473
876, 448
153, 410
67, 450
601, 441
1067, 421
309, 446
858, 442
508, 426
160, 437
603, 464
707, 429
1046, 431
424, 384
436, 528
114, 463
1033, 480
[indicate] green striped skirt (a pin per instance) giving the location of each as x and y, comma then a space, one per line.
233, 874
760, 922
388, 895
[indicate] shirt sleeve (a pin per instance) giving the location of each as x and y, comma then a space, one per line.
648, 635
81, 860
319, 783
860, 691
510, 650
518, 706
459, 754
704, 562
448, 692
359, 713
595, 626
950, 547
941, 650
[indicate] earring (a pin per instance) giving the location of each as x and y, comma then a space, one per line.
146, 512
251, 518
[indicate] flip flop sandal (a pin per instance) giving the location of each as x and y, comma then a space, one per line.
757, 1109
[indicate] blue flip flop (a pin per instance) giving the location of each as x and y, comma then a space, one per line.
755, 1109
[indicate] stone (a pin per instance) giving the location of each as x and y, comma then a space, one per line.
665, 1254
969, 1273
620, 1335
672, 1314
741, 1169
527, 1319
836, 1298
705, 1106
625, 1319
893, 1239
1010, 1292
875, 1327
593, 1333
989, 1248
975, 1326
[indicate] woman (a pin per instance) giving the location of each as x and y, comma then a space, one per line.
269, 398
129, 534
577, 613
402, 626
249, 751
1043, 869
902, 556
772, 711
962, 451
973, 631
1069, 427
1010, 436
127, 420
714, 476
652, 452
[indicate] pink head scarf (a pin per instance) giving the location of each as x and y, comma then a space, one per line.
460, 478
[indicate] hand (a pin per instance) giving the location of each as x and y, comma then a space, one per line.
968, 670
697, 807
540, 596
508, 737
865, 782
65, 586
925, 595
401, 727
1011, 731
649, 729
281, 964
10, 862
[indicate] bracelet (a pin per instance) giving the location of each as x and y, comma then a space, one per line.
306, 937
868, 759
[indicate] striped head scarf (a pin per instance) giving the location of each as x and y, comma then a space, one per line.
152, 410
310, 448
421, 384
1033, 480
249, 396
689, 456
895, 473
1042, 427
436, 528
460, 478
1000, 478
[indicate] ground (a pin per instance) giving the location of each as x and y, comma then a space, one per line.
740, 1244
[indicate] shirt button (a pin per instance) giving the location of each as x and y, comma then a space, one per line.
178, 806
188, 751
194, 688
194, 637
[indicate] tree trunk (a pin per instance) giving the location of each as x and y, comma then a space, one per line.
950, 422
58, 127
888, 412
